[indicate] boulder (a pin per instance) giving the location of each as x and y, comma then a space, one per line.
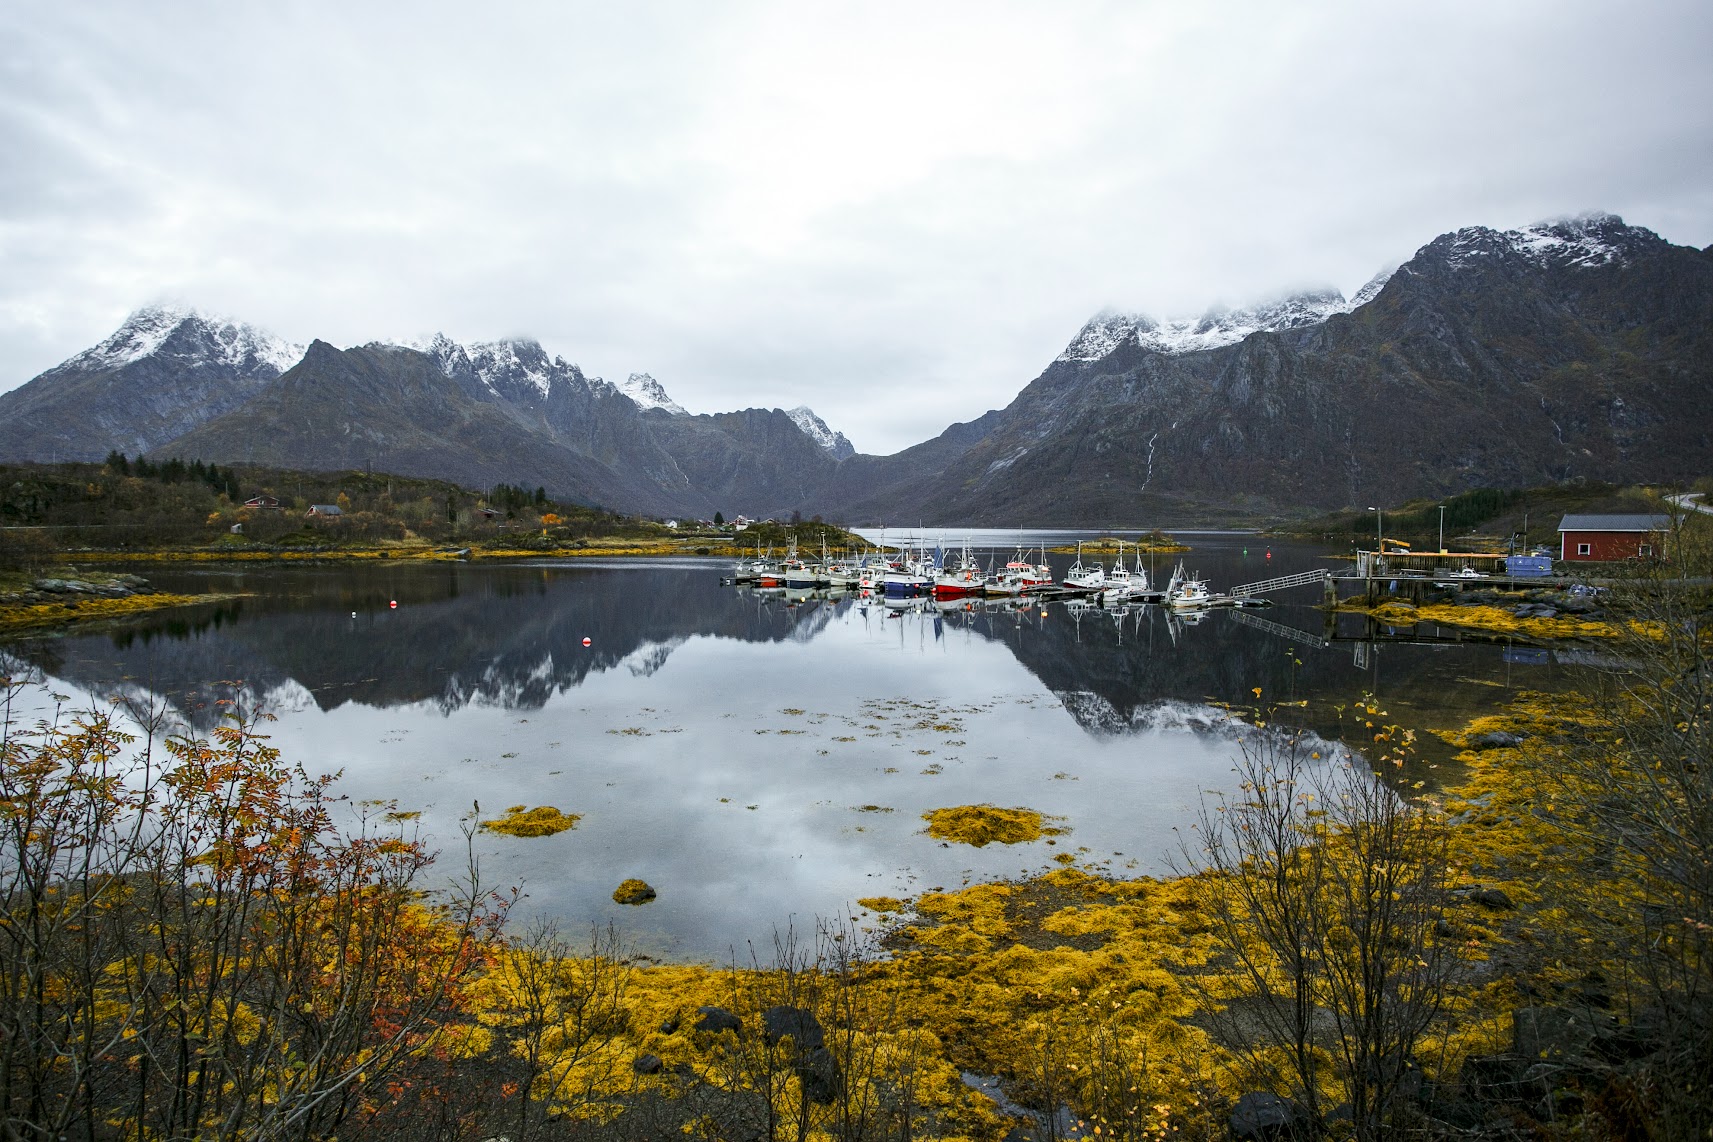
1263, 1116
1502, 1078
716, 1019
798, 1022
1495, 739
647, 1064
815, 1066
819, 1073
1552, 1032
1494, 898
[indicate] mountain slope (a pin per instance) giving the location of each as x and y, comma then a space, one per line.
161, 373
1576, 348
397, 409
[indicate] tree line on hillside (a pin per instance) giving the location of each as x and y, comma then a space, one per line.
142, 503
1526, 514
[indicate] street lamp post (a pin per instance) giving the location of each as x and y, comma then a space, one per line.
1442, 529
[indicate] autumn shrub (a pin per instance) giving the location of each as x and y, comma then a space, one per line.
196, 946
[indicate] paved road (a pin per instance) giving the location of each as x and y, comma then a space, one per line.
1691, 501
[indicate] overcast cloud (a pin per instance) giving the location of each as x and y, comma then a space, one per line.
895, 213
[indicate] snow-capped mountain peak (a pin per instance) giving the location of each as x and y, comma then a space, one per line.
509, 367
1371, 289
513, 363
1104, 332
1218, 326
151, 330
1593, 239
816, 429
649, 393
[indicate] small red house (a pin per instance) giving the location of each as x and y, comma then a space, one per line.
1609, 538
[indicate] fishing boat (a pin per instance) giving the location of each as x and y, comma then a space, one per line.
839, 574
911, 576
1121, 583
1187, 592
798, 573
1081, 578
963, 578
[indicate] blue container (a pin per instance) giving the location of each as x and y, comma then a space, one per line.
1528, 566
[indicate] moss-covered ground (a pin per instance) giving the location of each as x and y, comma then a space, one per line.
1058, 982
35, 616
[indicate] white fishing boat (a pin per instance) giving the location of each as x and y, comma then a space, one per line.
839, 574
1081, 578
1187, 592
1123, 584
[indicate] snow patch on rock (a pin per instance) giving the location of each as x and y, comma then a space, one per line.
649, 393
816, 429
1372, 288
511, 368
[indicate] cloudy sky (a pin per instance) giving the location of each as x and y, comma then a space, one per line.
895, 213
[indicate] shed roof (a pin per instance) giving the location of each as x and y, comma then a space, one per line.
1635, 522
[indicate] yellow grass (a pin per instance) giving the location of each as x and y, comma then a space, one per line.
980, 825
594, 549
1108, 545
1483, 618
84, 609
541, 821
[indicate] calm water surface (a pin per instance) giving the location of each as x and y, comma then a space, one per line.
754, 757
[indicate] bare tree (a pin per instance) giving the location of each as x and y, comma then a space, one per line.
561, 1012
1323, 888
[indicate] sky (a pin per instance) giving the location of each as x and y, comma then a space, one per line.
895, 213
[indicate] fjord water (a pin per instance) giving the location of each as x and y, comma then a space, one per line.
757, 758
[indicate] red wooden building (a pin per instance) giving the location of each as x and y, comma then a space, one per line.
1609, 538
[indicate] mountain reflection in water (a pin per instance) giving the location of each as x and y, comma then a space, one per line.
752, 756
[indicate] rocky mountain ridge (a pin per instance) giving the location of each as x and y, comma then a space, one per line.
1575, 348
178, 382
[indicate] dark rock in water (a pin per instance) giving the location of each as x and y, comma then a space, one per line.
1265, 1117
717, 1019
1494, 898
1496, 739
647, 1064
798, 1022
